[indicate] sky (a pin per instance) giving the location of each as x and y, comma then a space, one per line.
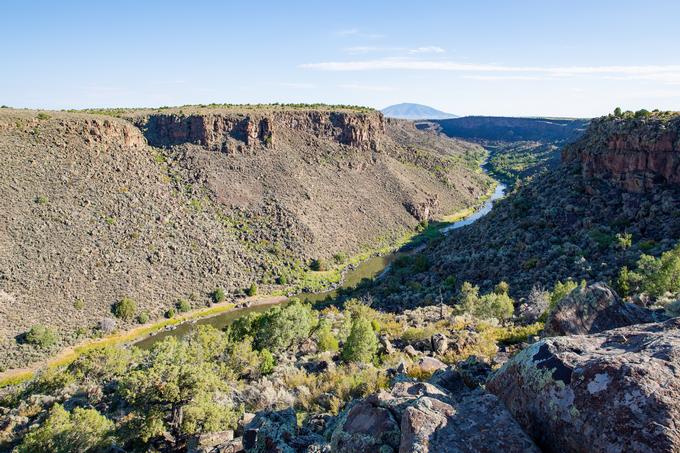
519, 58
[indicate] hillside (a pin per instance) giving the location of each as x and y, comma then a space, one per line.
170, 204
614, 197
407, 111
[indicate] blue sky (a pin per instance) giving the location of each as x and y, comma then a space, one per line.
562, 58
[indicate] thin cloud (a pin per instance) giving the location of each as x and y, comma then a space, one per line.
505, 77
669, 74
426, 49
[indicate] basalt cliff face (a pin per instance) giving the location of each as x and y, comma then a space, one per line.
164, 205
230, 131
636, 155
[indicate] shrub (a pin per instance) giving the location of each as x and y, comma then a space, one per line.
282, 280
218, 295
41, 199
143, 317
362, 344
281, 327
266, 362
624, 240
63, 432
125, 309
41, 336
642, 113
318, 264
252, 290
492, 305
107, 325
502, 288
617, 112
340, 258
79, 304
421, 263
325, 339
183, 306
43, 116
171, 313
560, 291
656, 276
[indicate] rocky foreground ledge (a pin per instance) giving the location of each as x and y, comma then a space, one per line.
611, 390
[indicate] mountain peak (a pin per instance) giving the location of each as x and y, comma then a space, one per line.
409, 111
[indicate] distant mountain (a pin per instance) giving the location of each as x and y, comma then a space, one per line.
408, 111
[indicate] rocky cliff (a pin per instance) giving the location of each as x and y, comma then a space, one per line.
635, 154
230, 131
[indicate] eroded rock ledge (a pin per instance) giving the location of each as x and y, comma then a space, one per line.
636, 155
228, 131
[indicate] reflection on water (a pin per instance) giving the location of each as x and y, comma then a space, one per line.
370, 269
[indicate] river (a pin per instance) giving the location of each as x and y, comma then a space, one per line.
370, 268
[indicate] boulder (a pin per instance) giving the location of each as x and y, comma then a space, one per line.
593, 309
477, 422
440, 343
366, 426
271, 432
613, 391
430, 364
421, 417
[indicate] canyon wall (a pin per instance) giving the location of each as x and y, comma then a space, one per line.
229, 131
635, 155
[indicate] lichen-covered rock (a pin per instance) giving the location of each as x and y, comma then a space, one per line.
271, 432
421, 417
593, 309
614, 391
366, 426
477, 422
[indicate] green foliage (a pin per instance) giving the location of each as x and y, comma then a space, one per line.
501, 287
43, 116
79, 304
560, 291
62, 432
171, 313
267, 362
617, 112
642, 113
601, 238
218, 295
325, 339
624, 240
623, 281
41, 199
276, 329
143, 317
125, 309
176, 388
183, 306
41, 336
654, 276
493, 305
252, 290
362, 344
340, 258
102, 365
318, 264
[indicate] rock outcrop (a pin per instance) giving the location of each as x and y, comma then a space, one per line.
614, 391
594, 309
420, 417
229, 131
637, 155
